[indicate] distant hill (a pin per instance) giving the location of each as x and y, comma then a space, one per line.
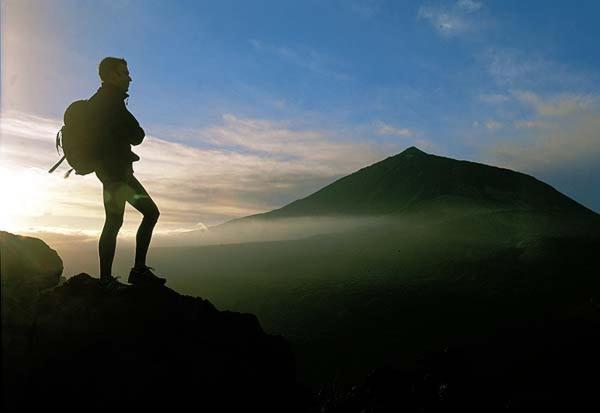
414, 180
411, 185
412, 253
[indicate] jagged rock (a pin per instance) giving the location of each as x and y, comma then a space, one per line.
152, 347
73, 344
27, 267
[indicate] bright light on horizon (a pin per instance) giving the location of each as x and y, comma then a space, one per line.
25, 196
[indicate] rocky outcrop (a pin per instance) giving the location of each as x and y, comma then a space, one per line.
27, 267
81, 345
141, 348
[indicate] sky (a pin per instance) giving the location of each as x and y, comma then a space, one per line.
248, 106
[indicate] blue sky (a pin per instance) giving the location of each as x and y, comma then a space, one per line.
322, 88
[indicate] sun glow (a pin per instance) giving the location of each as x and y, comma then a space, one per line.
24, 196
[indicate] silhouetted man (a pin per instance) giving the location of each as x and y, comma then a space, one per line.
117, 131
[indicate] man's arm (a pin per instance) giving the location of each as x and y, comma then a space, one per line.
130, 129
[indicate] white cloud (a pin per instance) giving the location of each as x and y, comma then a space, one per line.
28, 126
513, 68
304, 57
489, 124
254, 165
443, 22
384, 129
451, 20
510, 66
493, 98
469, 6
560, 105
492, 124
564, 135
366, 8
528, 123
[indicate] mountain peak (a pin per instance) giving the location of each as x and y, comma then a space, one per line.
414, 180
413, 150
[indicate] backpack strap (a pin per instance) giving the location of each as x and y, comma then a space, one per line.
68, 173
56, 164
58, 144
58, 141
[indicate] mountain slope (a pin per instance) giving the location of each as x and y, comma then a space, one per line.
414, 180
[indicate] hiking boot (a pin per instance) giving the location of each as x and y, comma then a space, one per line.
109, 282
144, 276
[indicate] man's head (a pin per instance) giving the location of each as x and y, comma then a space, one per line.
114, 70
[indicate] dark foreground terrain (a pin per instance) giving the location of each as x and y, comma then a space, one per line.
71, 344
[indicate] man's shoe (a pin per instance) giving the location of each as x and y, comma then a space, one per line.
144, 276
109, 282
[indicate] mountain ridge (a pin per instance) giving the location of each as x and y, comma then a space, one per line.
414, 179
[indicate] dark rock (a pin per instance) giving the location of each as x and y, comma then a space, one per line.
151, 348
551, 366
75, 344
27, 266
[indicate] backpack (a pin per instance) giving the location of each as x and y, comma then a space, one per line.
76, 139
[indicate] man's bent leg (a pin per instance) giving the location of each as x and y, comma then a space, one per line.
115, 196
141, 201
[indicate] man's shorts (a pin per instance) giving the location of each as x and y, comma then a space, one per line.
115, 175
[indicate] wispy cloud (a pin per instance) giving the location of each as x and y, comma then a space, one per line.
366, 8
492, 124
442, 21
560, 105
252, 166
454, 19
508, 66
385, 129
529, 123
493, 98
563, 134
304, 57
469, 6
514, 68
28, 126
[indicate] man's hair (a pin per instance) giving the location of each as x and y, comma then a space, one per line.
109, 65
